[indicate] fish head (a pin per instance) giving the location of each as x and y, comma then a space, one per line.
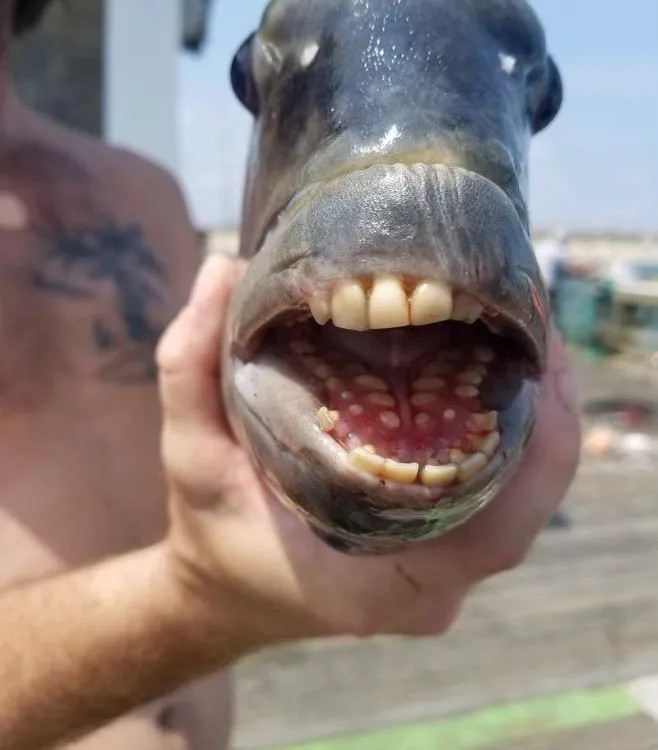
386, 343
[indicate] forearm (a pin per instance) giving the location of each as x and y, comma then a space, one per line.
81, 650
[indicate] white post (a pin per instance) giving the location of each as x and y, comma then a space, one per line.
142, 42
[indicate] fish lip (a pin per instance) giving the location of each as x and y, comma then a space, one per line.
326, 234
404, 513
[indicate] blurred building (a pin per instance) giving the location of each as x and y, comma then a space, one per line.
110, 68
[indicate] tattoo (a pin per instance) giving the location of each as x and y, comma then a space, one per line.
76, 260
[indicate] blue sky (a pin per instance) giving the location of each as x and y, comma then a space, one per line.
595, 167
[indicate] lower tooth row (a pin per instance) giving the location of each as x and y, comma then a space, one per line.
442, 475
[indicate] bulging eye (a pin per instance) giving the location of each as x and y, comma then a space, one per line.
550, 101
242, 76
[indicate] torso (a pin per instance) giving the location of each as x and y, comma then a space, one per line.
86, 287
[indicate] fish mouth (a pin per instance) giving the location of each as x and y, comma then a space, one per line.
389, 404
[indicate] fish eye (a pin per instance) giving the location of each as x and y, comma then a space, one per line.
242, 76
551, 102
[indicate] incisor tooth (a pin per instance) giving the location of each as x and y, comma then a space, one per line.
364, 460
431, 302
381, 399
398, 472
388, 306
428, 384
488, 443
439, 476
327, 419
320, 309
372, 382
471, 466
349, 306
466, 308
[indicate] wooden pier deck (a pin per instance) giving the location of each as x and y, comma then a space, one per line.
582, 612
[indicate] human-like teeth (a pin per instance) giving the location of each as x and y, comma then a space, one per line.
372, 382
349, 306
365, 460
381, 399
484, 354
466, 391
466, 309
320, 309
471, 466
483, 422
457, 456
423, 399
327, 419
388, 306
398, 472
390, 419
439, 476
431, 302
469, 377
428, 384
435, 368
488, 443
302, 346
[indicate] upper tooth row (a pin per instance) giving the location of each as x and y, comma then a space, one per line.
388, 305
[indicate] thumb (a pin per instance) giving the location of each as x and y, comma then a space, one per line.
188, 353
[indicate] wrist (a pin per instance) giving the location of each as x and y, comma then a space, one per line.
202, 612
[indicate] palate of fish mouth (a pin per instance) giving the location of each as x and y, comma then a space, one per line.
409, 377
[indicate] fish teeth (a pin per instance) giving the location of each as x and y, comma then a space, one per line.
488, 444
388, 306
320, 309
399, 472
471, 466
364, 460
439, 476
349, 306
431, 302
466, 309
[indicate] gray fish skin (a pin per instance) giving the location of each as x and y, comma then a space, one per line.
390, 136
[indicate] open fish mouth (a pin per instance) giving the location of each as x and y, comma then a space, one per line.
388, 403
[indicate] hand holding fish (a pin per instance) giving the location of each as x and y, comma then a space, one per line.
257, 569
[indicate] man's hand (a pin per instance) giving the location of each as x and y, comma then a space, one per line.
252, 565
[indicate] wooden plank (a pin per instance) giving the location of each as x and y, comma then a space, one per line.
583, 611
635, 733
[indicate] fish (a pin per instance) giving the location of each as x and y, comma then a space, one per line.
385, 347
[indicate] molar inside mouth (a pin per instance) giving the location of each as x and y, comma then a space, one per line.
408, 379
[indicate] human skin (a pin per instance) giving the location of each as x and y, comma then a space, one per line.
236, 571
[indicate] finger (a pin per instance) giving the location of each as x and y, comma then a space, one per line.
504, 532
189, 352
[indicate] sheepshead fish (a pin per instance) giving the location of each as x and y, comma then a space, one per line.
385, 346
